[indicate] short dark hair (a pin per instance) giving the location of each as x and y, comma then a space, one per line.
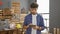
34, 5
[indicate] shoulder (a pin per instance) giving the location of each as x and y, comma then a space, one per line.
27, 15
39, 15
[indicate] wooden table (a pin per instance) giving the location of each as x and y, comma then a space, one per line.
14, 31
7, 31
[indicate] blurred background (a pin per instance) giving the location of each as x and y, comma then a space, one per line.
12, 13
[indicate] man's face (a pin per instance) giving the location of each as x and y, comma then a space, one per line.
33, 10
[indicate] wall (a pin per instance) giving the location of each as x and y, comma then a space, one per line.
24, 3
54, 14
6, 3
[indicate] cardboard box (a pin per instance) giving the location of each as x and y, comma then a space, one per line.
1, 17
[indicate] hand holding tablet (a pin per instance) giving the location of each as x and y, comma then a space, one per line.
32, 25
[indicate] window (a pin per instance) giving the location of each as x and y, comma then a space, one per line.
43, 6
43, 9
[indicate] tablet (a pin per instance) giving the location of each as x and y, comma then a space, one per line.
32, 25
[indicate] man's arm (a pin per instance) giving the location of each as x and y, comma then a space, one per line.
25, 27
25, 23
41, 23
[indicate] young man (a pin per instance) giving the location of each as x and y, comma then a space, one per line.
35, 20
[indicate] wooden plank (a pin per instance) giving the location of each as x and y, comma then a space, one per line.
58, 31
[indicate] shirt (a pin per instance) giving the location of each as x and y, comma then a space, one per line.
34, 22
28, 20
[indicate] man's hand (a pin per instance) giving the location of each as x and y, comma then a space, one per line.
25, 27
37, 28
30, 24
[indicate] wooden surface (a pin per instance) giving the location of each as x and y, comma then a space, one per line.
16, 31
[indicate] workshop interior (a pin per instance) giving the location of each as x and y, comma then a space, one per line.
13, 16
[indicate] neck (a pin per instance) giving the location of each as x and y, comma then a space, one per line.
34, 13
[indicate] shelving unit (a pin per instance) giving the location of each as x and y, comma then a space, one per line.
1, 14
16, 7
5, 14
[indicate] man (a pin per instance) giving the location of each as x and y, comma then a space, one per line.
33, 19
